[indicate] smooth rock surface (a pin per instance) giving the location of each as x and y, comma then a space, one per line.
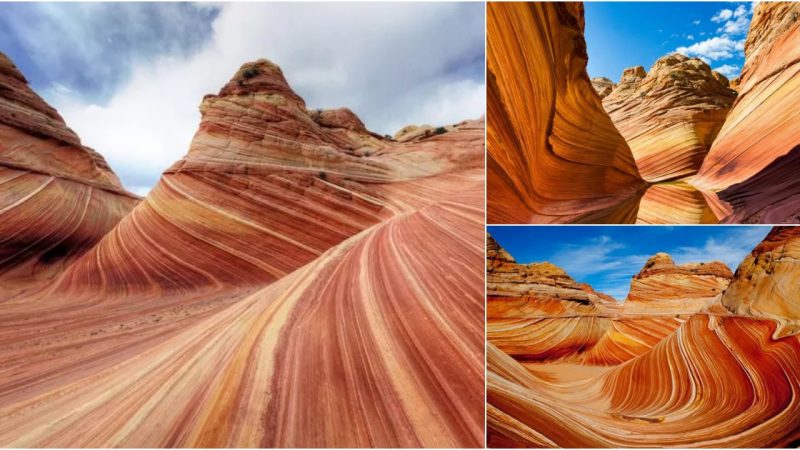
57, 197
277, 288
750, 156
554, 154
670, 115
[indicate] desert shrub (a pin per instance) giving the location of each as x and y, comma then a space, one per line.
250, 72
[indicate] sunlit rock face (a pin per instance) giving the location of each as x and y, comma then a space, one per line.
628, 378
750, 164
57, 197
603, 86
705, 149
766, 284
294, 281
670, 115
521, 298
554, 154
675, 202
662, 287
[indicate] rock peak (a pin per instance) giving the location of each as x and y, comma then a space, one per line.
632, 73
658, 261
260, 76
8, 68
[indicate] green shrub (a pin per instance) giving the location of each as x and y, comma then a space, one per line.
440, 130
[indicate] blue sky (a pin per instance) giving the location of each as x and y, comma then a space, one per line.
627, 34
607, 257
129, 77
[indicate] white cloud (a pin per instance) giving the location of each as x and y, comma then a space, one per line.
610, 268
730, 249
738, 26
690, 37
601, 258
392, 63
696, 22
722, 15
715, 48
729, 70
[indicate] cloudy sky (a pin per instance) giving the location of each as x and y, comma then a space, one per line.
129, 77
622, 34
607, 257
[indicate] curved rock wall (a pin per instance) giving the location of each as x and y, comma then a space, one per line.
57, 197
293, 281
670, 116
760, 128
554, 154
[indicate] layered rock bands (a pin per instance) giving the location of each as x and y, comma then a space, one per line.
553, 153
57, 197
294, 281
694, 357
705, 150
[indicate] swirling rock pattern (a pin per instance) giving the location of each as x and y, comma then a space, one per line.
744, 164
276, 288
545, 120
766, 284
57, 197
713, 378
676, 202
727, 151
670, 116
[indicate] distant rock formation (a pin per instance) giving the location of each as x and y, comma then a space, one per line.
262, 167
554, 154
670, 115
726, 157
639, 379
540, 288
521, 300
603, 86
57, 197
662, 287
750, 166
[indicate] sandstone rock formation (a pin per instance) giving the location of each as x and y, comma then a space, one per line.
554, 154
281, 286
709, 378
754, 151
525, 289
57, 197
603, 86
766, 282
662, 287
675, 202
727, 148
670, 116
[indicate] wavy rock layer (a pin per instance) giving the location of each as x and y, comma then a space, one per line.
662, 287
675, 202
766, 282
550, 122
294, 281
57, 197
699, 379
670, 116
744, 164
